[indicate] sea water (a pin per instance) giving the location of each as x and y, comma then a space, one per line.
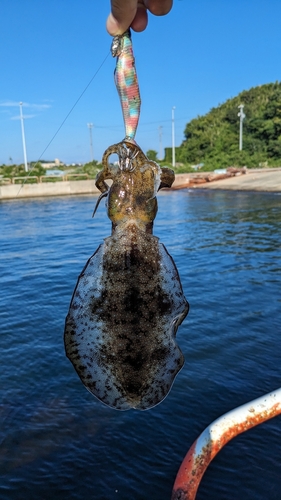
59, 442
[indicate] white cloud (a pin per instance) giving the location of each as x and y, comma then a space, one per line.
24, 116
37, 107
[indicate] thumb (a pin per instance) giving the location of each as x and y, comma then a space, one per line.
121, 16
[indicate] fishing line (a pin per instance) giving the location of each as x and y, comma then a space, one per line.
64, 120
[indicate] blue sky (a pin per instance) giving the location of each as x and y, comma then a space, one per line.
202, 53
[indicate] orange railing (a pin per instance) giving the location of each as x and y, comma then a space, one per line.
216, 435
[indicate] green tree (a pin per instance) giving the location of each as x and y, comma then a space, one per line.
213, 139
91, 168
151, 154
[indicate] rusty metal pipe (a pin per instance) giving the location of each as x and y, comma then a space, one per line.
216, 435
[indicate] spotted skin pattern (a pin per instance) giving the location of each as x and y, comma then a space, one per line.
127, 82
120, 331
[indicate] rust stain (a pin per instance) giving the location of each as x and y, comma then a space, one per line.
191, 472
254, 418
194, 465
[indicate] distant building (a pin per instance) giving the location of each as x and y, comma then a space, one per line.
56, 163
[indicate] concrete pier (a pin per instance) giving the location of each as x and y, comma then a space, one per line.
61, 188
254, 180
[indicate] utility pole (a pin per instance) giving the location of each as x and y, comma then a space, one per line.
242, 116
160, 143
90, 126
173, 137
23, 139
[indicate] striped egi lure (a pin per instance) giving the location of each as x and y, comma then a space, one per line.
120, 331
127, 82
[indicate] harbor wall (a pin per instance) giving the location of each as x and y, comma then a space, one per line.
61, 188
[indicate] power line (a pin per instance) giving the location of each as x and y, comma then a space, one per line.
64, 120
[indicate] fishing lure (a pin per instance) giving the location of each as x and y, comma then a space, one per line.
126, 82
120, 331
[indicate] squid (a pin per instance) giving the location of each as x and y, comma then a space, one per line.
120, 330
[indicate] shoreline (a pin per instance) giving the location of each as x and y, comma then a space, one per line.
268, 180
63, 188
257, 180
254, 180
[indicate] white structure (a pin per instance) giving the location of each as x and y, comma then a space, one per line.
173, 137
90, 126
242, 116
23, 139
160, 143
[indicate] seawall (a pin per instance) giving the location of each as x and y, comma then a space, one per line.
58, 188
62, 188
254, 180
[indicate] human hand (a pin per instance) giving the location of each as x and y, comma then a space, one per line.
133, 13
